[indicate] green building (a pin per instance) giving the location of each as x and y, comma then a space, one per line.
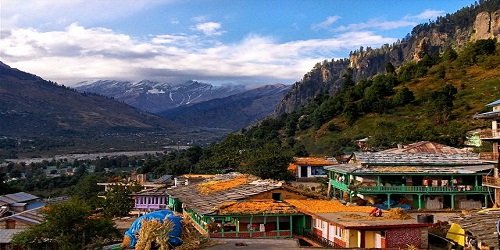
239, 206
422, 175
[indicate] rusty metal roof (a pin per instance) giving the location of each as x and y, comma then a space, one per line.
427, 147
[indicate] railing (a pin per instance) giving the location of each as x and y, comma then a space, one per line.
490, 134
491, 181
320, 240
422, 189
488, 156
339, 185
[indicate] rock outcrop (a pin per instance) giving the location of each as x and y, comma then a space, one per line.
452, 30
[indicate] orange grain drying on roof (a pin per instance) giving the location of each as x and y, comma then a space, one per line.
313, 161
256, 207
220, 185
326, 206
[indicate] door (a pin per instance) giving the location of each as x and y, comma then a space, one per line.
303, 172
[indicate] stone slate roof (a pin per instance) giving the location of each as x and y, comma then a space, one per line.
426, 147
410, 159
434, 170
482, 226
209, 203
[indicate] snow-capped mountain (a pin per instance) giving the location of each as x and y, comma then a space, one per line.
153, 96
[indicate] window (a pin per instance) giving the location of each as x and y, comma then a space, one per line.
318, 171
277, 196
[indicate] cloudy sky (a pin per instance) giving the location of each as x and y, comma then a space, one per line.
218, 41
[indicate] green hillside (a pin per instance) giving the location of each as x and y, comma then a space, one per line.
434, 99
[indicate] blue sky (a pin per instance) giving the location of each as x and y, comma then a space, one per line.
250, 42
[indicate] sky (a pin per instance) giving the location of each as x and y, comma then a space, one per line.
250, 42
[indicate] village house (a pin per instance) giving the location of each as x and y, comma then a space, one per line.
153, 199
422, 175
18, 211
336, 225
304, 168
466, 232
239, 206
493, 136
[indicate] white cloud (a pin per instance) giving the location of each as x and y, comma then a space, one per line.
427, 14
326, 24
209, 28
375, 24
78, 53
60, 13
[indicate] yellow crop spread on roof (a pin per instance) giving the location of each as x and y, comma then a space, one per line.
220, 185
326, 206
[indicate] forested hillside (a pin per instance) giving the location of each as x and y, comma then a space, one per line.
433, 97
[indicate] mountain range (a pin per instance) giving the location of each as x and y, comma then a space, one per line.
233, 112
32, 106
154, 96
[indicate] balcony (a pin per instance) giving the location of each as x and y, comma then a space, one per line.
491, 181
490, 134
488, 156
459, 189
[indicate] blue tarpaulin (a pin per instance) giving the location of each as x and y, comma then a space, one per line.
160, 215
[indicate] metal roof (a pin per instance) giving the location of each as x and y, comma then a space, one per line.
491, 114
495, 103
32, 216
164, 179
151, 192
17, 198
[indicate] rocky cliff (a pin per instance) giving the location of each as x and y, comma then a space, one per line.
480, 21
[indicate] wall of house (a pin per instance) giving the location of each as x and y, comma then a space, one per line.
15, 223
370, 239
284, 195
353, 238
401, 238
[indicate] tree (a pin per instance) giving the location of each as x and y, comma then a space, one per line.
118, 200
68, 225
269, 161
403, 97
390, 69
87, 189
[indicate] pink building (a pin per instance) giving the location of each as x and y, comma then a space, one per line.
150, 200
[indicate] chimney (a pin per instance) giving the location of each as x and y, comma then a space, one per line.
175, 182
